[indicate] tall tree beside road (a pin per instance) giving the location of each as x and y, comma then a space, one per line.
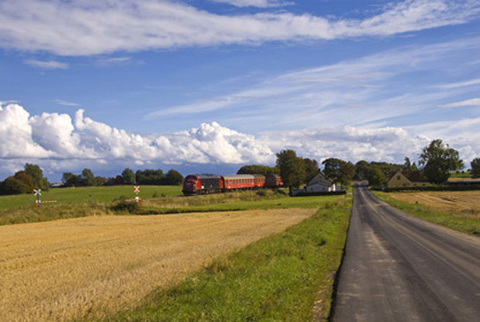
339, 171
292, 169
438, 160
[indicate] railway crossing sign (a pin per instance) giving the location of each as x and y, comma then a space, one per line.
136, 189
38, 194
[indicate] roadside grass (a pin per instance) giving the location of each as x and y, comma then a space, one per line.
458, 220
279, 278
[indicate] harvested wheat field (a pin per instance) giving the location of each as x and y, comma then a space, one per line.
465, 202
87, 267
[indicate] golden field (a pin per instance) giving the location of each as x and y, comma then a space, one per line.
89, 267
466, 203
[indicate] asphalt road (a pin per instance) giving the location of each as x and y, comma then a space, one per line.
400, 268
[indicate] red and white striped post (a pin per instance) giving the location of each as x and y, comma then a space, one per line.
136, 190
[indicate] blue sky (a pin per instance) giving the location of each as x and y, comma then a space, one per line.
208, 86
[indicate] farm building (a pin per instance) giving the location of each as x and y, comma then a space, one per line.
318, 185
400, 180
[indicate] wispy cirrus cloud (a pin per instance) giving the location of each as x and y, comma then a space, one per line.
79, 28
469, 102
382, 89
65, 103
255, 3
49, 64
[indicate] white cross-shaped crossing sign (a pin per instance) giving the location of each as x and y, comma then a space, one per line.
136, 189
37, 192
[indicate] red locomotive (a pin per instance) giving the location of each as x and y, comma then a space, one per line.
209, 183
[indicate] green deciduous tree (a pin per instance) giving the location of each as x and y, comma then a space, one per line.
173, 178
19, 183
339, 171
311, 169
292, 169
150, 177
70, 180
129, 176
36, 173
475, 165
258, 169
87, 178
438, 160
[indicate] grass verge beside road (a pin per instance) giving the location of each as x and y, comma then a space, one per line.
457, 220
280, 277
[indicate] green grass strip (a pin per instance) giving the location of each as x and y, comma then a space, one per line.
457, 221
278, 278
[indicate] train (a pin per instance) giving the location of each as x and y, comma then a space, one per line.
210, 183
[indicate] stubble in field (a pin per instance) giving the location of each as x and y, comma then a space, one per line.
87, 267
460, 203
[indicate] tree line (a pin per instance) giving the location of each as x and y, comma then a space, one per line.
141, 177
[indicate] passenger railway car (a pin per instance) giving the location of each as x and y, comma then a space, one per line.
208, 183
238, 182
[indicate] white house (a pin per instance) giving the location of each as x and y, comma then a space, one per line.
318, 184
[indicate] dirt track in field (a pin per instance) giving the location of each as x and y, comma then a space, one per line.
453, 201
88, 266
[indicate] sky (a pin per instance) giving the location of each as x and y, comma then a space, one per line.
208, 86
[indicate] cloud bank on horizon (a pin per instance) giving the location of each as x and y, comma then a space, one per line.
414, 79
59, 142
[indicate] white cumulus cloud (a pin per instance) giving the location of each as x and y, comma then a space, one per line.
60, 144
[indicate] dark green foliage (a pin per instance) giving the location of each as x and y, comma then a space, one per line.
173, 178
87, 178
125, 206
70, 180
311, 169
150, 177
14, 186
438, 160
339, 171
292, 169
129, 176
475, 164
258, 169
36, 173
375, 173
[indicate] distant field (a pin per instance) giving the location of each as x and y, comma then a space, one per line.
87, 195
88, 267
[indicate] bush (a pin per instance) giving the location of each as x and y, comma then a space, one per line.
125, 206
